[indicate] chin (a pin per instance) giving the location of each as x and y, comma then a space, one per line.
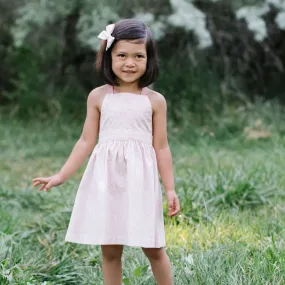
128, 79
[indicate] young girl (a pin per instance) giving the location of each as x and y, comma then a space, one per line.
119, 199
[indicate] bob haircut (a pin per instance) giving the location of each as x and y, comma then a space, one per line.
133, 30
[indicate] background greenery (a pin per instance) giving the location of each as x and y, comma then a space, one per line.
223, 79
212, 53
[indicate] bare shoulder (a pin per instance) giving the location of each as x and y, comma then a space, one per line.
157, 100
97, 95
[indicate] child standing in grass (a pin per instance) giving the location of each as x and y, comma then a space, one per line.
119, 199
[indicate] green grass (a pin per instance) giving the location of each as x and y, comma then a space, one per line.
230, 229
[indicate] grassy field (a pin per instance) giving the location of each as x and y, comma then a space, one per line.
231, 229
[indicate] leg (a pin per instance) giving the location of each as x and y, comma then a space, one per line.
112, 264
160, 265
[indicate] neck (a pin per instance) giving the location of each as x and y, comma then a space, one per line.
127, 87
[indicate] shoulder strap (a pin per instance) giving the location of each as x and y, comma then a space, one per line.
110, 89
144, 91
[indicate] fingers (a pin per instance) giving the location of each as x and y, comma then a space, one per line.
175, 208
48, 186
42, 187
171, 207
173, 213
41, 180
170, 204
36, 183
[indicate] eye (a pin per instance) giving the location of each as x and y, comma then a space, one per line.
121, 55
140, 56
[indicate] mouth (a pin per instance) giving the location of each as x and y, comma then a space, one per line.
129, 72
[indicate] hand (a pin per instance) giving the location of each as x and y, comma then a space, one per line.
173, 203
47, 182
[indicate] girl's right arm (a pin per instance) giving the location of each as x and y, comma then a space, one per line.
83, 146
87, 140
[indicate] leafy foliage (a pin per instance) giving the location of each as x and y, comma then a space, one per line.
212, 53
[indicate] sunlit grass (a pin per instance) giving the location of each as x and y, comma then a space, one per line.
246, 227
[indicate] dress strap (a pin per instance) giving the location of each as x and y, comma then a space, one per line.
144, 91
110, 89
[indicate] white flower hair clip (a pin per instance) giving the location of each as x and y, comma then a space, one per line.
106, 35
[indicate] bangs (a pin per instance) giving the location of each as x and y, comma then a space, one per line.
137, 41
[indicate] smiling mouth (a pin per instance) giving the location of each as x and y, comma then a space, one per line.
129, 72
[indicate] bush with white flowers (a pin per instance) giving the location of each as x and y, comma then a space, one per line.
33, 16
254, 17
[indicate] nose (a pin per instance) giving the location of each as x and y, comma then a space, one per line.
130, 62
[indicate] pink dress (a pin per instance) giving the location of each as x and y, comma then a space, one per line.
119, 199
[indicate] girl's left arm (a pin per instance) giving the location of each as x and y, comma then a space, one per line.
160, 142
163, 153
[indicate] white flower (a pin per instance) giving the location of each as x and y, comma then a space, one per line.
157, 27
252, 15
280, 20
277, 3
90, 25
187, 16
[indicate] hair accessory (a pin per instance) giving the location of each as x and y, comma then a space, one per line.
106, 35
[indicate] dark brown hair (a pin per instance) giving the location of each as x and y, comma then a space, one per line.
129, 29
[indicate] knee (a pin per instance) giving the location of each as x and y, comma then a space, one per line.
153, 253
112, 252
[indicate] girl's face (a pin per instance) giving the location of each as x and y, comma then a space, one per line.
129, 61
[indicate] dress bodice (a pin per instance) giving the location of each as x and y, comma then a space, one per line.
126, 116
